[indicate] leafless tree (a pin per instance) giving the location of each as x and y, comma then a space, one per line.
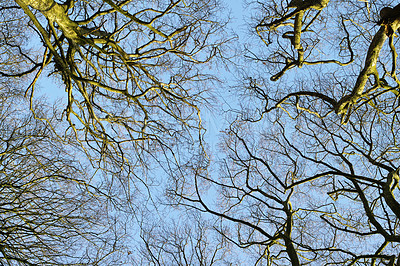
52, 210
190, 240
309, 168
310, 173
132, 71
134, 75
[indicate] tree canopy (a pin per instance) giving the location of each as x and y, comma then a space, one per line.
122, 169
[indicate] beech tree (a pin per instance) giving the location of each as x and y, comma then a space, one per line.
132, 76
189, 241
307, 171
51, 213
131, 70
311, 168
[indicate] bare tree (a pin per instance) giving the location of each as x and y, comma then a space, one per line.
310, 173
134, 75
309, 169
52, 210
131, 70
373, 69
190, 240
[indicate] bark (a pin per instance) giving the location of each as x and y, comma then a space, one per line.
345, 104
56, 13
